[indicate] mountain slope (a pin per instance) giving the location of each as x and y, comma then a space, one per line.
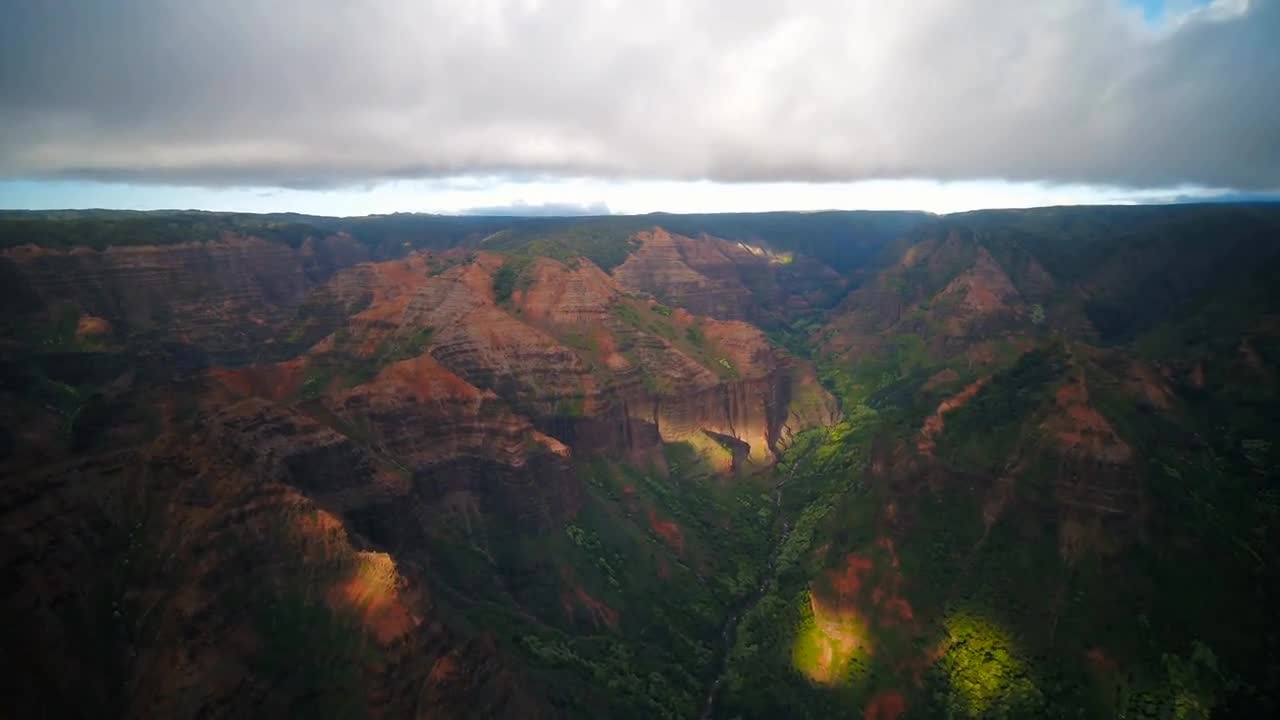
995, 464
1044, 514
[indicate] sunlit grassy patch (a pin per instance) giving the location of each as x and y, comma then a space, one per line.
714, 454
982, 666
834, 649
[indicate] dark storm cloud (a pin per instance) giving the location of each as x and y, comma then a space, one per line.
304, 93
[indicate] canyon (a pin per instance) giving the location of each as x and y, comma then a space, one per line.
780, 465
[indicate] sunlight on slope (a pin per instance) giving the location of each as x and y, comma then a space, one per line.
982, 666
372, 590
831, 648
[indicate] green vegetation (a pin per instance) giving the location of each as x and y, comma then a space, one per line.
572, 407
1170, 272
344, 366
778, 644
314, 653
986, 431
103, 229
67, 385
993, 566
1037, 314
53, 330
62, 331
692, 341
1014, 627
842, 240
512, 276
981, 673
404, 345
603, 241
622, 607
316, 382
438, 265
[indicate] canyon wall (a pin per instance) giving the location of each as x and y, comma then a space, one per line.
270, 446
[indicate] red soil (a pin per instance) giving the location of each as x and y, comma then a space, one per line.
445, 670
885, 705
393, 284
91, 326
597, 612
380, 613
669, 531
848, 583
425, 379
934, 423
940, 378
1144, 381
1079, 427
882, 601
277, 381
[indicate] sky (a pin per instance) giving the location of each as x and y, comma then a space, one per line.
593, 106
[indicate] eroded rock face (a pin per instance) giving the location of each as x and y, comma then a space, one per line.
723, 279
955, 298
454, 417
948, 291
458, 438
693, 275
586, 364
572, 351
226, 297
337, 421
169, 581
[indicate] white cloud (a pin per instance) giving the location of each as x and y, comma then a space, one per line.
571, 196
635, 197
307, 93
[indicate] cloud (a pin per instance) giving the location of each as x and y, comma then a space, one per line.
1224, 197
523, 209
313, 94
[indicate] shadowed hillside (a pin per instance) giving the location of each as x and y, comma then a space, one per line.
880, 465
